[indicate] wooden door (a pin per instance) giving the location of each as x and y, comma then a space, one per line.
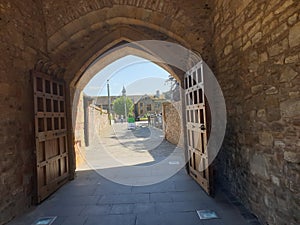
196, 126
50, 134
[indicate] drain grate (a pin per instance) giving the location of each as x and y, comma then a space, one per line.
207, 214
45, 220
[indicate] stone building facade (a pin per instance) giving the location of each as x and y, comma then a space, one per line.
148, 105
252, 47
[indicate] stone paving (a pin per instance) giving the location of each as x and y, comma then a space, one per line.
131, 157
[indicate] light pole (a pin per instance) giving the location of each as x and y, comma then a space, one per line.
125, 108
108, 102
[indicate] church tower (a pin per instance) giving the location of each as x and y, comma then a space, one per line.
123, 91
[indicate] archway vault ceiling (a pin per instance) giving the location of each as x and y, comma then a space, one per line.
58, 14
78, 31
76, 61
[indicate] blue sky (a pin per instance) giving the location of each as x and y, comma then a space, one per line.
138, 75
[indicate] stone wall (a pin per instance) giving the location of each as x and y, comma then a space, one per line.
90, 121
98, 121
79, 131
79, 122
172, 124
22, 38
257, 45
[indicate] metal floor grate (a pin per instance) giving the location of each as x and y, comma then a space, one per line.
207, 214
45, 220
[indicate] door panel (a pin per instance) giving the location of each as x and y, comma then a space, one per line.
197, 127
50, 133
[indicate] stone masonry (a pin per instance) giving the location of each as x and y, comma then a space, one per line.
172, 125
90, 122
22, 42
257, 45
252, 47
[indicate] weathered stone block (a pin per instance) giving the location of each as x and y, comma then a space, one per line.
249, 24
279, 59
257, 37
273, 114
247, 45
294, 35
290, 108
291, 59
279, 31
293, 19
228, 49
242, 5
288, 74
283, 6
257, 88
258, 166
270, 27
278, 48
255, 29
294, 94
253, 56
261, 113
279, 144
237, 43
293, 157
271, 91
253, 67
263, 57
226, 31
266, 139
267, 19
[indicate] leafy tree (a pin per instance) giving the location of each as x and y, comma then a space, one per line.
119, 106
174, 92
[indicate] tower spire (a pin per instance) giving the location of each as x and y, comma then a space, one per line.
124, 91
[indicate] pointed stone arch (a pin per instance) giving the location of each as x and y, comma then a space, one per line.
87, 27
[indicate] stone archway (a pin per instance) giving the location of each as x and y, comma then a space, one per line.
102, 61
254, 46
87, 27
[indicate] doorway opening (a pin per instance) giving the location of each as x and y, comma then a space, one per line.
130, 110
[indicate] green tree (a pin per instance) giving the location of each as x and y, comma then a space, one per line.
119, 106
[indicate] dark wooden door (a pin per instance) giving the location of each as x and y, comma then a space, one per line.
50, 134
197, 127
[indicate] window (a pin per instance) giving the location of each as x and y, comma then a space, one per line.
141, 104
149, 107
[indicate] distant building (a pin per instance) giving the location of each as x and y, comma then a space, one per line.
148, 105
102, 101
143, 104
